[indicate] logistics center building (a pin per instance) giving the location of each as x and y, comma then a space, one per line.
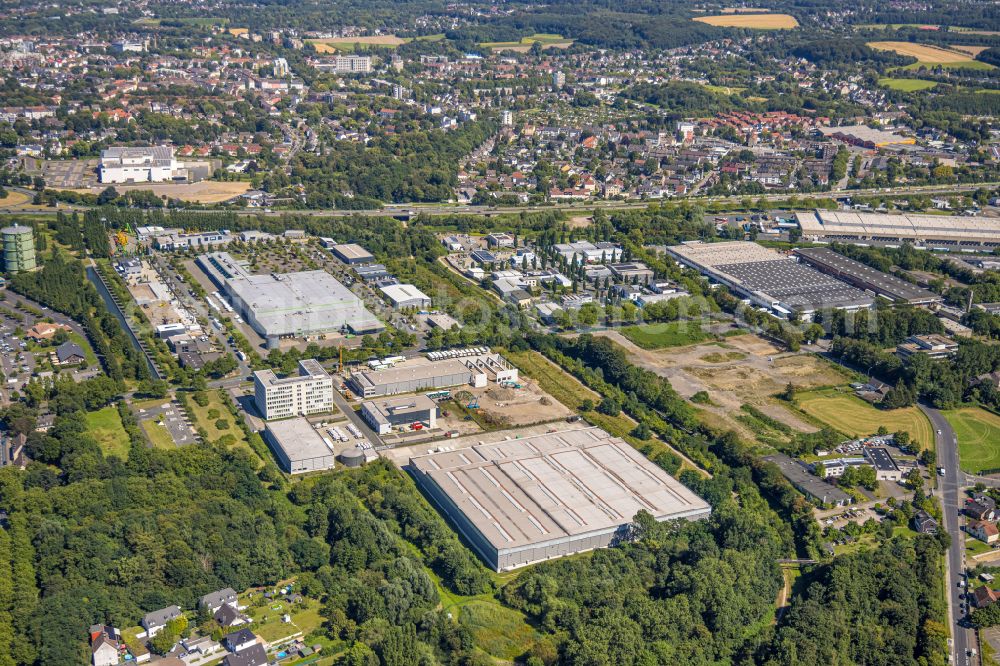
865, 277
936, 231
544, 496
769, 279
289, 305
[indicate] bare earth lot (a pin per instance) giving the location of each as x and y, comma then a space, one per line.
206, 191
745, 369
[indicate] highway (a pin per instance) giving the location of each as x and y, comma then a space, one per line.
950, 487
409, 210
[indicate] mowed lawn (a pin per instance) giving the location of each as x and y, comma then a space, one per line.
670, 334
106, 427
855, 417
978, 433
906, 85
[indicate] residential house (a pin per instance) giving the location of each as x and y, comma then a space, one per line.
105, 651
154, 622
213, 601
924, 523
239, 640
44, 331
252, 656
229, 616
984, 596
984, 531
981, 507
70, 353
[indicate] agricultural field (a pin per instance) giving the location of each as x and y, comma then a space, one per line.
978, 433
930, 56
906, 85
854, 417
105, 426
754, 21
670, 334
546, 40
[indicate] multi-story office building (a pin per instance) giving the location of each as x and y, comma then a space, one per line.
311, 392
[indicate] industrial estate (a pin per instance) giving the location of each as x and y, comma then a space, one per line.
362, 333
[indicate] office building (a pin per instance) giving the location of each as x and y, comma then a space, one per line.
386, 413
810, 485
549, 495
298, 447
933, 346
310, 392
137, 165
18, 249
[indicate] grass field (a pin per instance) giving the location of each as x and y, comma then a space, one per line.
203, 420
14, 199
978, 433
546, 40
267, 619
346, 44
499, 631
670, 334
106, 427
906, 85
856, 418
755, 21
930, 55
158, 435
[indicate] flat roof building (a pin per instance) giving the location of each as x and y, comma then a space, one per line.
298, 447
310, 392
405, 296
287, 305
386, 413
865, 277
808, 484
933, 230
126, 164
549, 495
632, 272
351, 253
866, 137
768, 279
886, 468
409, 378
933, 346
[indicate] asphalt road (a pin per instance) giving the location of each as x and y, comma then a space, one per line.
581, 206
951, 498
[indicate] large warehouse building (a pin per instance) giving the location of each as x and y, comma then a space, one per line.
289, 305
865, 277
417, 375
769, 279
126, 164
548, 495
937, 231
298, 447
